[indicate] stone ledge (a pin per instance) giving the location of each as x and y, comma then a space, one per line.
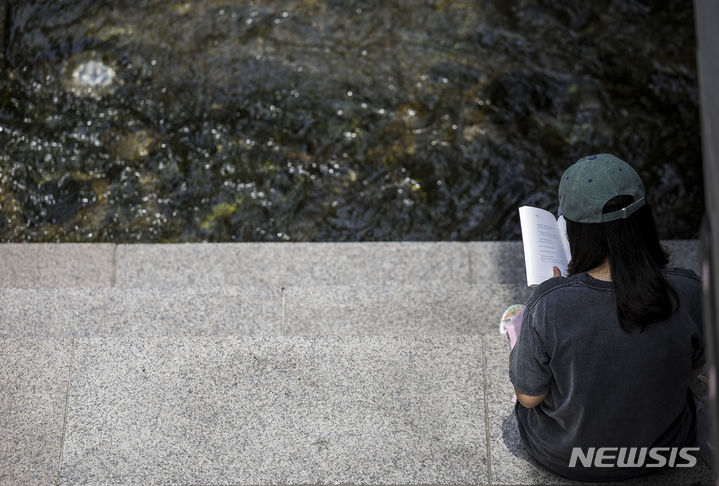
394, 310
77, 312
223, 264
239, 264
399, 310
29, 265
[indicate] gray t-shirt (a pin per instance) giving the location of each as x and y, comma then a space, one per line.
607, 387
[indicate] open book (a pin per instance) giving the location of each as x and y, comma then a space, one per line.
545, 244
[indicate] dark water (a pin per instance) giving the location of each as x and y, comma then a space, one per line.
334, 120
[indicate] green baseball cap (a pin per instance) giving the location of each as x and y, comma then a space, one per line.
589, 183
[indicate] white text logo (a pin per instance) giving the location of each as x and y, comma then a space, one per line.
633, 457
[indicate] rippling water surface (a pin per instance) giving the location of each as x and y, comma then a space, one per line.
334, 120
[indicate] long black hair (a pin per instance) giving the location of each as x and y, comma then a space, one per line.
635, 260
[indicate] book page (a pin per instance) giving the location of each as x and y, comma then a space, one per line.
543, 246
562, 225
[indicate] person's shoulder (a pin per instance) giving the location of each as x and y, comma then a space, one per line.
551, 288
685, 282
688, 287
682, 276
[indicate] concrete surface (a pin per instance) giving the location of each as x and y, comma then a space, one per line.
282, 410
34, 377
297, 364
223, 264
76, 312
56, 265
267, 264
399, 310
428, 309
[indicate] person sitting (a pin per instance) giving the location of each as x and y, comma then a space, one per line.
604, 356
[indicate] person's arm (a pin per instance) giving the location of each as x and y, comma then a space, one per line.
530, 401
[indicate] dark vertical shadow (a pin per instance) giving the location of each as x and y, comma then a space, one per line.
515, 444
4, 33
513, 441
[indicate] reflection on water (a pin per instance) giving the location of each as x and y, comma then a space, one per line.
303, 120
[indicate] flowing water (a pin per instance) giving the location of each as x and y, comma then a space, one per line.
307, 120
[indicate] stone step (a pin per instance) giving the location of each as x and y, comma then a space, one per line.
255, 410
243, 264
396, 310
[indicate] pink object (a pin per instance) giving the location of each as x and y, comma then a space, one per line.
513, 328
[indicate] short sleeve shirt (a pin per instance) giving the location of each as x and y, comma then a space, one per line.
607, 387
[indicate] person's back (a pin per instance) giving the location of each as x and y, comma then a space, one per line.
607, 387
604, 357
